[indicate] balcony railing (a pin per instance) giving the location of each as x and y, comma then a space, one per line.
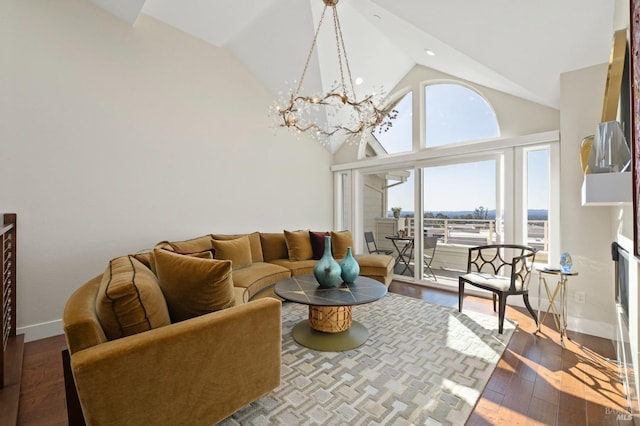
474, 232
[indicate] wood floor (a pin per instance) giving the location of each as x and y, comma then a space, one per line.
535, 382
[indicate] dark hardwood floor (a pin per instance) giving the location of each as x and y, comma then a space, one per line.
535, 382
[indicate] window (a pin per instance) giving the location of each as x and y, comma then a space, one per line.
455, 113
469, 191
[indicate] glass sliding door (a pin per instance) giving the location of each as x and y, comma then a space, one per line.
461, 210
537, 201
388, 212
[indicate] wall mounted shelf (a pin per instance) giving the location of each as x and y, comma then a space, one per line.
606, 189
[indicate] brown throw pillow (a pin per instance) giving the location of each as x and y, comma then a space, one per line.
193, 286
193, 245
317, 243
238, 251
129, 300
274, 246
206, 254
298, 245
339, 243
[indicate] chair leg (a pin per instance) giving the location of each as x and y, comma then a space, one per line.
460, 294
494, 302
501, 310
525, 296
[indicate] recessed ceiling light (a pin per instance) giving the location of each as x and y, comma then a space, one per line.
430, 52
359, 81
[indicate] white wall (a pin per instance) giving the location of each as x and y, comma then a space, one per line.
113, 138
585, 232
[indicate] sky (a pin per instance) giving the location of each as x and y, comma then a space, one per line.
454, 114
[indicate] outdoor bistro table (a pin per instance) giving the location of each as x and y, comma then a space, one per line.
330, 326
402, 252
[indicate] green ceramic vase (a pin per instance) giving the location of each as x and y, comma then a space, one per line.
349, 267
327, 271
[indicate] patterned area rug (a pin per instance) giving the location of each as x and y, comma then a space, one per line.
422, 364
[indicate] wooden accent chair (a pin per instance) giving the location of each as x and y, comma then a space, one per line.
503, 269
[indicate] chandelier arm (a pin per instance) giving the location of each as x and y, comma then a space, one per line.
344, 52
313, 45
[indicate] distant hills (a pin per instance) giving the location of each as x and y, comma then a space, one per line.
533, 214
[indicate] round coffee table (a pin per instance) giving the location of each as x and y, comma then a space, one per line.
330, 326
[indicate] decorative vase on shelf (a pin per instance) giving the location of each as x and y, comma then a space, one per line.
565, 262
350, 268
327, 271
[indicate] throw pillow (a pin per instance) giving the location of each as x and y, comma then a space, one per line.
339, 243
298, 245
254, 242
129, 300
238, 251
317, 243
193, 286
274, 246
193, 245
205, 254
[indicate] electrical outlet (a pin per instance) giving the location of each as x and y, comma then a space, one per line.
580, 297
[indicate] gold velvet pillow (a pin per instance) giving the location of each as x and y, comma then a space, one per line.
339, 243
193, 245
206, 254
129, 300
274, 246
254, 242
238, 251
193, 286
298, 245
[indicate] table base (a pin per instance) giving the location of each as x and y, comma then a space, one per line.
351, 338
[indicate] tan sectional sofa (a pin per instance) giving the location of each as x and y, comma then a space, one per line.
137, 355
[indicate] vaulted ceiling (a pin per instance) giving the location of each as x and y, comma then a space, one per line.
515, 46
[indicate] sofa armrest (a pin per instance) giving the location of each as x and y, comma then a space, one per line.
197, 371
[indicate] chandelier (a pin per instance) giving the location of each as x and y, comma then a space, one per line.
337, 112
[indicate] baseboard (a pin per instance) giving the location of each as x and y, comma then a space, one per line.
580, 325
41, 331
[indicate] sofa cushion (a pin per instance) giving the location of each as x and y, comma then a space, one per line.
193, 286
376, 266
129, 299
274, 246
258, 277
254, 242
238, 251
189, 246
317, 243
339, 243
302, 267
298, 245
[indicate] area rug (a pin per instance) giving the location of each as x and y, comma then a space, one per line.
422, 364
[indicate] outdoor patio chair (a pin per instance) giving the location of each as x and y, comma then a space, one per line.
370, 240
503, 269
430, 244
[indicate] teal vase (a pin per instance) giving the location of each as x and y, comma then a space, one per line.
327, 271
349, 267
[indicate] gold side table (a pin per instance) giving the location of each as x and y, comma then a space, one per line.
560, 318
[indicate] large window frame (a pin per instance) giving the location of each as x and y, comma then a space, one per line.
509, 153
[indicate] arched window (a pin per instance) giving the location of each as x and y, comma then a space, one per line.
398, 137
455, 113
